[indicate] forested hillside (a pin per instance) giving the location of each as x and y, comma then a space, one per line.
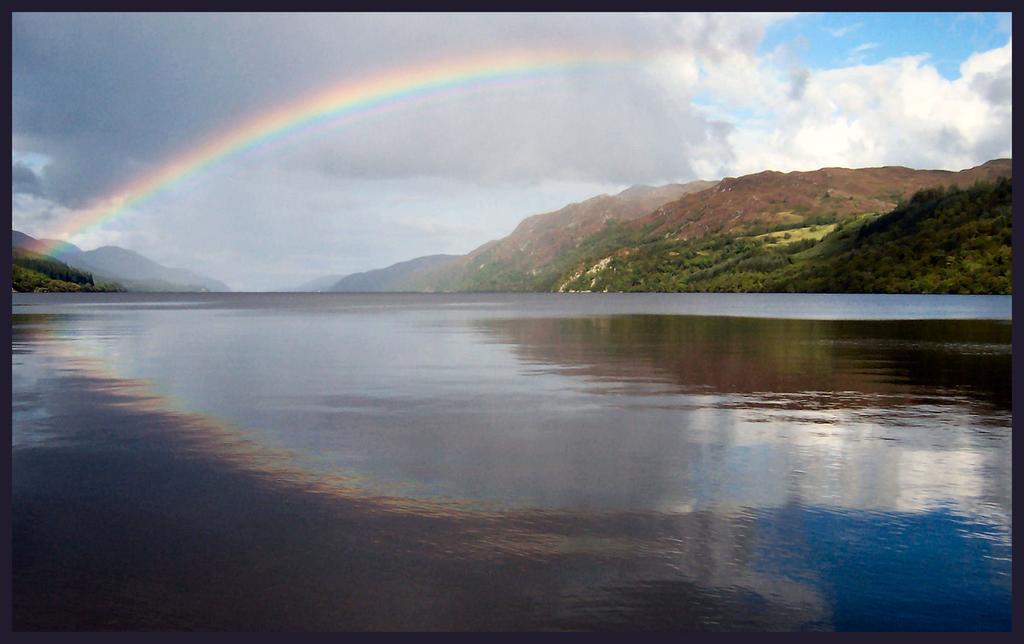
32, 272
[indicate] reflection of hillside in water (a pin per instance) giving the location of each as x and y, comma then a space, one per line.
808, 364
903, 416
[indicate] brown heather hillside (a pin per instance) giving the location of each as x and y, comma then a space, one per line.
769, 198
747, 355
539, 239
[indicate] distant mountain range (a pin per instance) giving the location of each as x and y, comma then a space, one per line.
403, 276
770, 231
757, 232
112, 264
316, 285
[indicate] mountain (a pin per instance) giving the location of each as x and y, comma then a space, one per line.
316, 285
138, 272
566, 249
32, 272
756, 232
941, 240
21, 240
534, 253
132, 270
403, 276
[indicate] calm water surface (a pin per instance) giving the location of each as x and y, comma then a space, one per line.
333, 462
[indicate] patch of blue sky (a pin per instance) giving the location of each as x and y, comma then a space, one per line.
832, 40
714, 109
33, 160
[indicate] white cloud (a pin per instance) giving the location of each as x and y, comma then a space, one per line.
839, 32
856, 54
899, 111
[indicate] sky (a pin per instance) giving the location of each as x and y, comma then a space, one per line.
99, 100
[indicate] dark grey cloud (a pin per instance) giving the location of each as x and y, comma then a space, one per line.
25, 181
105, 96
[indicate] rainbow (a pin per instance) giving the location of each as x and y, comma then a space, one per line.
339, 104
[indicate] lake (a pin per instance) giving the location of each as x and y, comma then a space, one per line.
511, 462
